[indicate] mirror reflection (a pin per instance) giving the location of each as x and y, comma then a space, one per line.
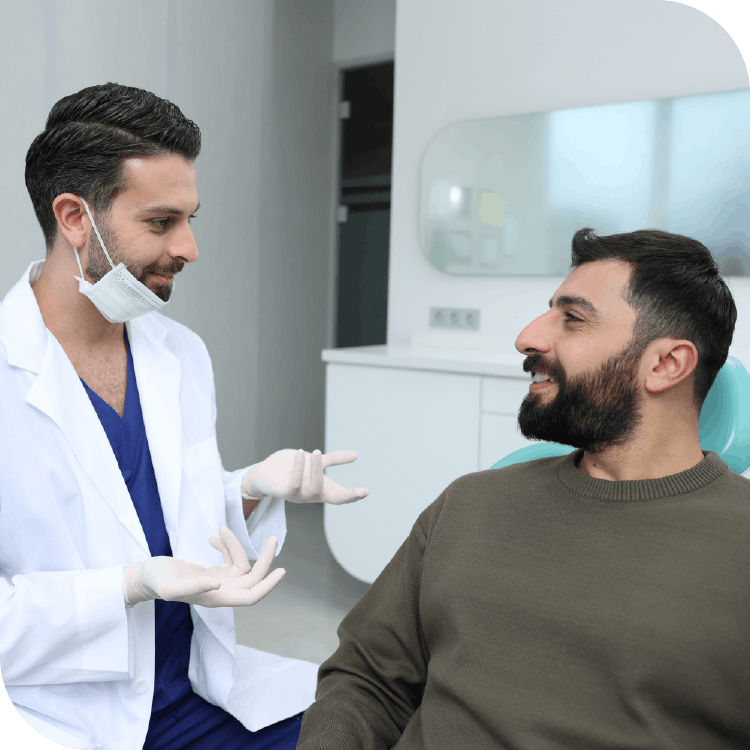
504, 196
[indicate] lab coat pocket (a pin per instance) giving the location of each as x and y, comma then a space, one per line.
55, 730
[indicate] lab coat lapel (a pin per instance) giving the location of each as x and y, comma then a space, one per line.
57, 391
158, 373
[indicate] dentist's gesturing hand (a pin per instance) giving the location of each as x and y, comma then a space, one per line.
298, 477
233, 583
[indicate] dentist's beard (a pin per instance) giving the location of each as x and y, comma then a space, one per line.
98, 265
596, 410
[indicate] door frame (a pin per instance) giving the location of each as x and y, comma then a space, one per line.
336, 131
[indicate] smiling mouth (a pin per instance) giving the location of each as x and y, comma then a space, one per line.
539, 378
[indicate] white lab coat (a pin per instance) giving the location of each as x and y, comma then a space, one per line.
78, 666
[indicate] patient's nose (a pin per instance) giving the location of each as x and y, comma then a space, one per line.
535, 337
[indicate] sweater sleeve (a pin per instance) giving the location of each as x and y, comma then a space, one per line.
372, 685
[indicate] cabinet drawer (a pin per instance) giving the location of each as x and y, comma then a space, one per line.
503, 395
499, 438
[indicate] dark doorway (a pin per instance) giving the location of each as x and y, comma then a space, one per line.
364, 223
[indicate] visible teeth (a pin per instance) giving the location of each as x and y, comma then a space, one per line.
538, 378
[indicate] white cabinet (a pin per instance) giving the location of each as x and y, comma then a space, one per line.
499, 433
415, 430
498, 438
504, 395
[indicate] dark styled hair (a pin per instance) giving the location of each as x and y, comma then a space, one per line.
87, 137
675, 289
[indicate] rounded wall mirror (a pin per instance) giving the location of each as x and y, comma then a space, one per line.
504, 196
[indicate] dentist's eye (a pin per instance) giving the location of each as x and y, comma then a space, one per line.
570, 318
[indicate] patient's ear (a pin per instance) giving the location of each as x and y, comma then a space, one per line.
667, 363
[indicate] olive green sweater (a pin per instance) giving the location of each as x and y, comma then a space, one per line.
534, 607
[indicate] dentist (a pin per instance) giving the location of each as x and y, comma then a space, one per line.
123, 542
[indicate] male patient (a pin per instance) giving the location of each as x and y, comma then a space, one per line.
597, 600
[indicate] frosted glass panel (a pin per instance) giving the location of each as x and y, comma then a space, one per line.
504, 196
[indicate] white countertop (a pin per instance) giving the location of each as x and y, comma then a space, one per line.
442, 359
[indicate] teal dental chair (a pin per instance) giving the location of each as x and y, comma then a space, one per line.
722, 427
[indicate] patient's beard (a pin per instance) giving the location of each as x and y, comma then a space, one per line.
596, 410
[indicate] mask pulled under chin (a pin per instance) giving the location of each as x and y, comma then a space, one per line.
118, 295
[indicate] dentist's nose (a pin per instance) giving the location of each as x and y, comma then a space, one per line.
184, 247
536, 336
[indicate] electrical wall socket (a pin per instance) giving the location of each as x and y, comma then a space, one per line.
453, 317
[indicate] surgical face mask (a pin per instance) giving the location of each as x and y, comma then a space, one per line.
118, 295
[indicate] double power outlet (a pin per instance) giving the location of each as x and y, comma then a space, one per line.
453, 317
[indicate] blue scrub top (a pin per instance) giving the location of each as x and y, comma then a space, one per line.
180, 719
174, 626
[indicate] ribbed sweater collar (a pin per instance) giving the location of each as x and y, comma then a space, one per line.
699, 476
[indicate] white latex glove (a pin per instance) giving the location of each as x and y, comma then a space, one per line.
232, 584
298, 477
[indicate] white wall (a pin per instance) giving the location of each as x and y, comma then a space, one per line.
257, 76
484, 58
219, 81
296, 227
22, 116
363, 31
